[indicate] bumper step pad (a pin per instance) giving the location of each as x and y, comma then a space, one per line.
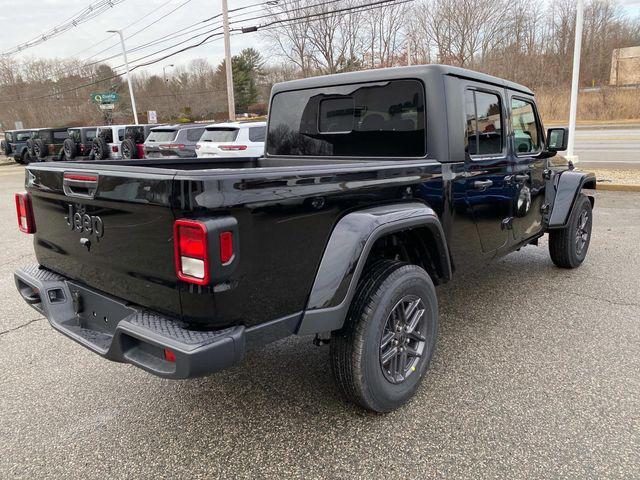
129, 334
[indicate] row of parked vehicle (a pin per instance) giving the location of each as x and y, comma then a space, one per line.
233, 139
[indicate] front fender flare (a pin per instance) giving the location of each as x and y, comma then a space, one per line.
567, 185
346, 254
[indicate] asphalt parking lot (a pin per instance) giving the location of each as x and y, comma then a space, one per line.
536, 375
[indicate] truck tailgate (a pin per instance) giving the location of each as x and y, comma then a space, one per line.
108, 230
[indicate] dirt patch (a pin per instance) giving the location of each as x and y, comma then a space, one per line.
613, 175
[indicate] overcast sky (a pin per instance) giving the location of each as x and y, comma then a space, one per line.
24, 19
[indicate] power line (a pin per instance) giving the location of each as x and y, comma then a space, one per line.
213, 36
123, 28
93, 10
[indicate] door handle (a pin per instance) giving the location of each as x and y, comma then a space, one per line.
482, 184
517, 178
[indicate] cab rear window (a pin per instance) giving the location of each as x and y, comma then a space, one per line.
381, 119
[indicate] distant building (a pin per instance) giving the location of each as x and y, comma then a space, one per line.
625, 66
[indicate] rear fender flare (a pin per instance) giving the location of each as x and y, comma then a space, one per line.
346, 254
567, 186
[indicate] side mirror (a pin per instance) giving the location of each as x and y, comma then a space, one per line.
557, 139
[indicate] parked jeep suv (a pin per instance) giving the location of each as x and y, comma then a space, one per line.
107, 142
78, 146
15, 145
134, 137
173, 141
46, 144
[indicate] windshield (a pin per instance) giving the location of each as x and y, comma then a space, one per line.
219, 135
161, 136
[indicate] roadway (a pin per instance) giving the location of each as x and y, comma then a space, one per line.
608, 147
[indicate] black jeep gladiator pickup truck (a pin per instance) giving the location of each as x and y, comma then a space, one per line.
374, 187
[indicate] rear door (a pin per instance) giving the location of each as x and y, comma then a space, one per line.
109, 230
488, 165
528, 166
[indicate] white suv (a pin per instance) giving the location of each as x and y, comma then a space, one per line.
233, 139
107, 142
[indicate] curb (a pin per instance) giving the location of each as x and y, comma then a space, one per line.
618, 187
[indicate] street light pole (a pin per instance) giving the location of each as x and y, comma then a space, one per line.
164, 73
227, 62
126, 64
573, 110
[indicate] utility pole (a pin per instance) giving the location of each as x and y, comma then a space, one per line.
227, 62
573, 110
126, 64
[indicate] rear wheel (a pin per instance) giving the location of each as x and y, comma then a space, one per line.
568, 246
25, 158
384, 349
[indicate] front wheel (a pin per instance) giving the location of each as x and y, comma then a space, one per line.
568, 246
384, 349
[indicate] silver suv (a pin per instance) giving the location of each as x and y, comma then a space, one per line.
173, 141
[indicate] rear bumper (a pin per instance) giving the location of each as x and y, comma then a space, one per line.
120, 332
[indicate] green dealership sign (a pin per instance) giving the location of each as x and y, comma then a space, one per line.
102, 98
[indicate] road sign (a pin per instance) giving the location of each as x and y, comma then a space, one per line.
152, 116
103, 98
107, 106
19, 125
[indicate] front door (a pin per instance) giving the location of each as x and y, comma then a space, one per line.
490, 195
527, 178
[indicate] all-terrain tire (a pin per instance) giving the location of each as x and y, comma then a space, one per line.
39, 148
356, 349
568, 246
70, 149
129, 149
100, 149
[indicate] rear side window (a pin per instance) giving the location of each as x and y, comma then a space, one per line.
161, 136
257, 134
525, 128
8, 137
60, 136
381, 119
483, 114
194, 134
219, 135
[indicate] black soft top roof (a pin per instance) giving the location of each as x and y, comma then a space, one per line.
396, 73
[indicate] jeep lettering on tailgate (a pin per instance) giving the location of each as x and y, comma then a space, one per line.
83, 222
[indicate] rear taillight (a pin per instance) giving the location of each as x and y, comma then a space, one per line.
226, 247
26, 222
114, 149
191, 251
234, 148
